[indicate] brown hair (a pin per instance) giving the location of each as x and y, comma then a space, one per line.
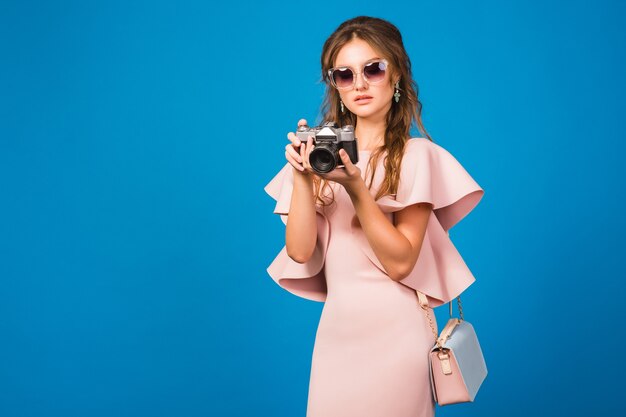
386, 39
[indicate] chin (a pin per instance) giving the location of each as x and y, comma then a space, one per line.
365, 113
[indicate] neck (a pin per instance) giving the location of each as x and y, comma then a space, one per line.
370, 133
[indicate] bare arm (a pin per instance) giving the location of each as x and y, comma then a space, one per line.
301, 230
397, 247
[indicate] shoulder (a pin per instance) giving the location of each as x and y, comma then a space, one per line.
418, 144
419, 148
424, 157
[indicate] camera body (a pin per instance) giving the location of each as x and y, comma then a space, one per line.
328, 140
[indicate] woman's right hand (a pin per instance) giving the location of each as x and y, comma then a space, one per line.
298, 155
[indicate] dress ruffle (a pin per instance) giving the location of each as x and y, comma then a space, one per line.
306, 280
429, 173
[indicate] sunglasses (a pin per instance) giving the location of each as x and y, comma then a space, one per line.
343, 78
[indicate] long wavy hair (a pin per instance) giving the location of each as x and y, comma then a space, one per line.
384, 38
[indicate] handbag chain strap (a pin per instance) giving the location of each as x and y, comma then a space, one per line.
423, 301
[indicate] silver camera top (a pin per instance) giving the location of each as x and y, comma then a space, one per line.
328, 131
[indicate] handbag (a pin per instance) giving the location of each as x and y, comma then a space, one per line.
456, 363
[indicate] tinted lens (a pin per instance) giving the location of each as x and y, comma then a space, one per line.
343, 77
375, 71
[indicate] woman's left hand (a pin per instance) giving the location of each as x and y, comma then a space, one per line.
348, 176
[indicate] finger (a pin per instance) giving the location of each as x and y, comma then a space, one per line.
345, 158
304, 153
293, 162
293, 138
309, 148
293, 152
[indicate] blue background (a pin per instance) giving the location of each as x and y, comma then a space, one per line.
135, 142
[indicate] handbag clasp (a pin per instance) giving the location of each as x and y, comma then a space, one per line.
444, 360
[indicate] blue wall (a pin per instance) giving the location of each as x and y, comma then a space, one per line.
135, 142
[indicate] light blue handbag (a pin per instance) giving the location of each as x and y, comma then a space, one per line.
457, 365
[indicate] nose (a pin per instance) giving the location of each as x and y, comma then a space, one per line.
360, 82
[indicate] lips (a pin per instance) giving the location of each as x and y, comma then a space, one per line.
362, 97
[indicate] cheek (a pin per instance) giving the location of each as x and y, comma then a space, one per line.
386, 92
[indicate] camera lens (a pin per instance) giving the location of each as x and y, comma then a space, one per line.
322, 159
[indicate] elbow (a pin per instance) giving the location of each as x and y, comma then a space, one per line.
298, 250
396, 276
401, 271
403, 268
299, 257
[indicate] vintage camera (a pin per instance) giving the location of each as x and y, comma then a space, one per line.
328, 139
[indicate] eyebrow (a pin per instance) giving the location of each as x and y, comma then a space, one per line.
364, 62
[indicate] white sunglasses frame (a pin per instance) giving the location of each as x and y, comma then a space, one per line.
356, 73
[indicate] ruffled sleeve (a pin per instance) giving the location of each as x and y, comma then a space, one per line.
305, 280
429, 173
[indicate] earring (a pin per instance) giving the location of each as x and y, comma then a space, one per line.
342, 109
396, 95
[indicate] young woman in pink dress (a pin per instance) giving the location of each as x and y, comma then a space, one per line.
363, 237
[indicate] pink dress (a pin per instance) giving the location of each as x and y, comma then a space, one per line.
370, 357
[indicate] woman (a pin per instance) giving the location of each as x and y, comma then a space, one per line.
363, 243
